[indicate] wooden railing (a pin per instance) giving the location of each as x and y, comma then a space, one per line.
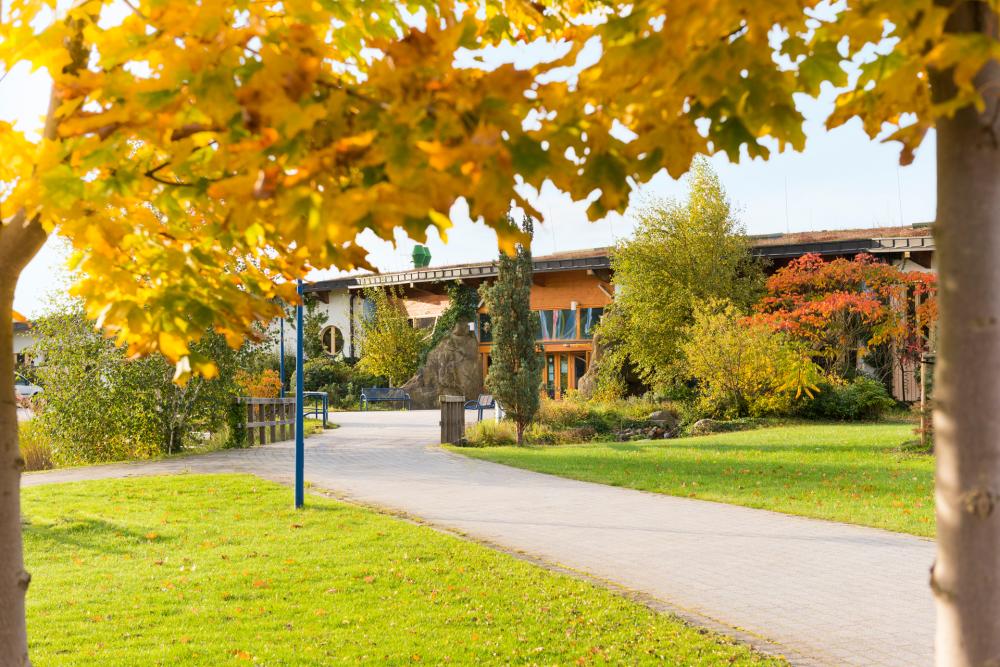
269, 419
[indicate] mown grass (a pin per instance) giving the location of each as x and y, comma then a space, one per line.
217, 570
854, 473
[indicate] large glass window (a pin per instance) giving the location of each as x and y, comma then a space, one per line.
589, 317
556, 324
544, 325
565, 324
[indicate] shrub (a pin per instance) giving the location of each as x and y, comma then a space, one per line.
319, 373
35, 447
574, 419
489, 433
341, 381
273, 362
236, 426
861, 398
542, 434
101, 405
743, 368
265, 384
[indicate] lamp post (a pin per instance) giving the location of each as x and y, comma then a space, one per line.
299, 407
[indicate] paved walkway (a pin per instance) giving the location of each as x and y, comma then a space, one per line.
826, 593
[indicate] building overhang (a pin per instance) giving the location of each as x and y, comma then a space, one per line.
472, 272
874, 246
598, 261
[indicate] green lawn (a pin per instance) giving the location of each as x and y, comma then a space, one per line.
216, 570
843, 472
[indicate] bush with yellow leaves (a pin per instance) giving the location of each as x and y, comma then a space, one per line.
743, 368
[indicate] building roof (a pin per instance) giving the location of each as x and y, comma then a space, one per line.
21, 327
844, 241
832, 242
573, 260
763, 240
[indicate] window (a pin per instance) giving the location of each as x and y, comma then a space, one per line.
333, 340
565, 324
557, 324
485, 332
589, 317
544, 325
367, 309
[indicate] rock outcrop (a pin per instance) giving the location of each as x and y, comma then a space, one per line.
586, 386
452, 367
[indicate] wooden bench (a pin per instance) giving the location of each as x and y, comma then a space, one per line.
384, 395
484, 402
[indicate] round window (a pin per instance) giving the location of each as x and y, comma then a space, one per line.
333, 340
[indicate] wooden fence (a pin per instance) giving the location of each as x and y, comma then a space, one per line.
269, 419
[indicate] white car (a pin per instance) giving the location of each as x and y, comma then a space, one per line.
24, 387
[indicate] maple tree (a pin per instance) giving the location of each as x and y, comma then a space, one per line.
845, 308
201, 155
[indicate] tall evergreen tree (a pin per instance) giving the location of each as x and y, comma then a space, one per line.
516, 370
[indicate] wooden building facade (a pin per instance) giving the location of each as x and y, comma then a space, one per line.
572, 289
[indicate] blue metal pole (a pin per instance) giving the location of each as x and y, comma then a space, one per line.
281, 358
300, 438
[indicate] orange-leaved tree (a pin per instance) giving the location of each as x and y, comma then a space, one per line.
200, 155
844, 307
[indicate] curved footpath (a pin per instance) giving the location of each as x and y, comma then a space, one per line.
822, 592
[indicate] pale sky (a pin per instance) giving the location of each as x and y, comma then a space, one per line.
841, 180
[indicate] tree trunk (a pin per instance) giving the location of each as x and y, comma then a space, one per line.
966, 576
13, 578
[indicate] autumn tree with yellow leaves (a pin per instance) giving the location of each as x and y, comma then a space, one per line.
201, 155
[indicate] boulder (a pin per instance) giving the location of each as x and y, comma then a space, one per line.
705, 426
586, 386
665, 419
452, 367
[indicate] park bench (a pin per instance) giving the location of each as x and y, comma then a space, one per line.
384, 395
484, 402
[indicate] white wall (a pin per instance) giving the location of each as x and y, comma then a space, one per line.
23, 341
337, 313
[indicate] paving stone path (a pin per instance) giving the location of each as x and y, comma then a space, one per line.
824, 593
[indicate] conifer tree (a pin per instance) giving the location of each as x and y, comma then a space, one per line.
515, 372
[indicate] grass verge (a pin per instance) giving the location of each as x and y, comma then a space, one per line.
216, 570
854, 473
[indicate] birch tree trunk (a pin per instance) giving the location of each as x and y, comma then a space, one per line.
966, 576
